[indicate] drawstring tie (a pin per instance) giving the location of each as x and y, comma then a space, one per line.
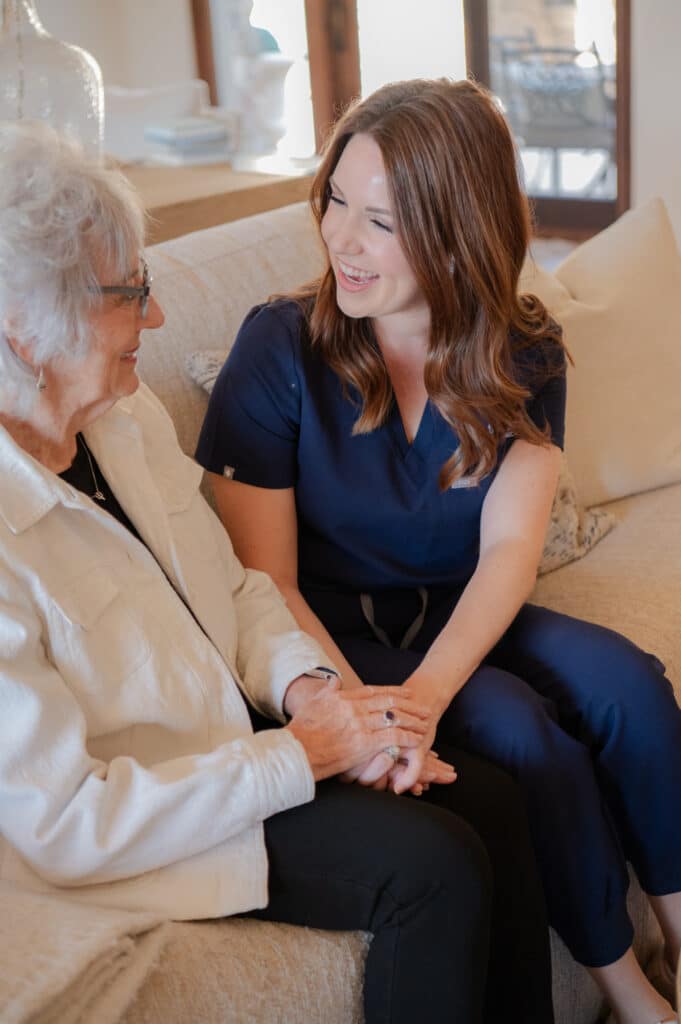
367, 604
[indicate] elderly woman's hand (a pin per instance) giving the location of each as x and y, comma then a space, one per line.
340, 729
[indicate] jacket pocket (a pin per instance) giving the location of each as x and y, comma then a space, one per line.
95, 634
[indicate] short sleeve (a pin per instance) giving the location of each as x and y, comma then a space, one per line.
544, 373
251, 428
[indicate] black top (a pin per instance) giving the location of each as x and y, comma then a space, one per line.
80, 475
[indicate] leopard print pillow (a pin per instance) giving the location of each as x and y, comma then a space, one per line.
572, 530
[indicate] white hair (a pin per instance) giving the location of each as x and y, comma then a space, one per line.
62, 219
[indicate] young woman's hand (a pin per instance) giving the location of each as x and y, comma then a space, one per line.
414, 765
373, 773
341, 729
417, 767
410, 767
432, 771
382, 772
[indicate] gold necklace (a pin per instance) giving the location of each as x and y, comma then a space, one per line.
97, 493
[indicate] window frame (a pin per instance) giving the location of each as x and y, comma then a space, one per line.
576, 218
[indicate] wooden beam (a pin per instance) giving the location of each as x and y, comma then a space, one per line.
476, 29
623, 106
333, 48
203, 40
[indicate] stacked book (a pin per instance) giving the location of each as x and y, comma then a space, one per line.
189, 140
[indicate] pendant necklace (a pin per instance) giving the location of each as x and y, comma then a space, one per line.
98, 496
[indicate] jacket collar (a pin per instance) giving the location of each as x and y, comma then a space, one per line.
138, 455
28, 490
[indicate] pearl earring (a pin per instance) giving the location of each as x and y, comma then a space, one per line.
41, 383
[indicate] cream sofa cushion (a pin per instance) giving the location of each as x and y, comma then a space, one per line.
618, 298
631, 582
254, 972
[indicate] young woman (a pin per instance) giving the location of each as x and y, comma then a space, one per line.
386, 444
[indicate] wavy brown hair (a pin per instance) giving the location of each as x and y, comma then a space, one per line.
464, 224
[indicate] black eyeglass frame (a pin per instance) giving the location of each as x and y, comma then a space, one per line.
131, 291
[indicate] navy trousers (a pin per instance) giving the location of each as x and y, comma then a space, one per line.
588, 725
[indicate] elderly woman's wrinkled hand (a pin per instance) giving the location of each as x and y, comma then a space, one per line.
341, 729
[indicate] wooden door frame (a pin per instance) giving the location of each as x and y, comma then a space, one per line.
203, 41
333, 48
576, 217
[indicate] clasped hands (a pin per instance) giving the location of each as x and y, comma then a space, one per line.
347, 733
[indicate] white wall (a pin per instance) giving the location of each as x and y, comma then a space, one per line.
401, 46
656, 104
136, 42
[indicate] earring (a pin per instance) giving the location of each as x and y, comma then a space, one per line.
41, 383
452, 264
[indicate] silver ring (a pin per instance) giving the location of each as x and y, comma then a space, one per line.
393, 751
388, 717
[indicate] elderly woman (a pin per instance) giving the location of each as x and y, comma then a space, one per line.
130, 772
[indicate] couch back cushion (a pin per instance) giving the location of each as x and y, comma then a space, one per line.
206, 282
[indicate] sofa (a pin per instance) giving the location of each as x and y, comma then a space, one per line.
618, 297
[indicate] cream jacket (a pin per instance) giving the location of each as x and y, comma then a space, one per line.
129, 771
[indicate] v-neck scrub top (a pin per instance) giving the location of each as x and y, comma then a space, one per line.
370, 511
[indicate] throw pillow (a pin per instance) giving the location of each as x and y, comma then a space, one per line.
204, 366
618, 298
572, 531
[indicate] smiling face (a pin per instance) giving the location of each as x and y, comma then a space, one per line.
373, 277
111, 364
108, 371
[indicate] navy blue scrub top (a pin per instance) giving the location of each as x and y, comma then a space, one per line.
370, 511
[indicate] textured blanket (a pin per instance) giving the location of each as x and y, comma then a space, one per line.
63, 962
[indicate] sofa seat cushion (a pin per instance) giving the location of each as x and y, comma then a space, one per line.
254, 972
631, 581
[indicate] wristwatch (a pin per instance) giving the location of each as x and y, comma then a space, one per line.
322, 672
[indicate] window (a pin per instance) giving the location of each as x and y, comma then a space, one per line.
561, 72
559, 67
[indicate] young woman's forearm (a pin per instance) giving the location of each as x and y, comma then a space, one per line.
500, 585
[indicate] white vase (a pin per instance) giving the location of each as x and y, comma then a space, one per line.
42, 78
262, 101
250, 81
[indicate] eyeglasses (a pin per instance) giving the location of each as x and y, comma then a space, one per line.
130, 291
